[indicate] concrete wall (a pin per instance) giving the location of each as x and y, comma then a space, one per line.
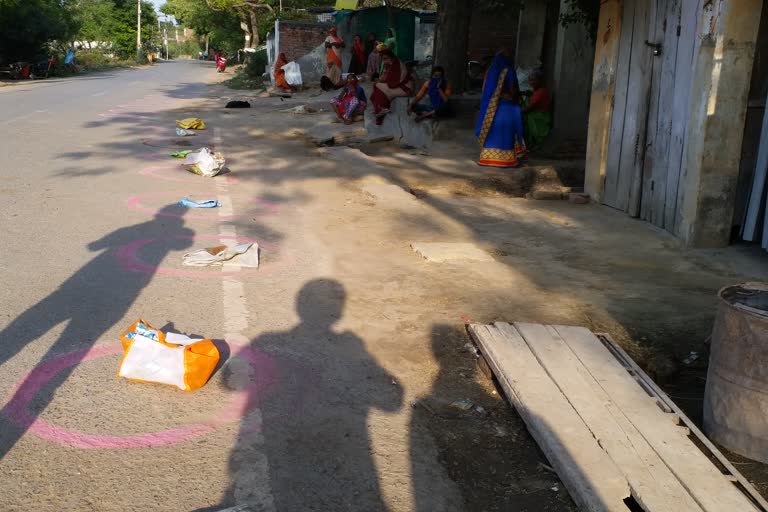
723, 68
601, 99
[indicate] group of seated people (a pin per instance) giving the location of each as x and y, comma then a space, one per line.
396, 80
508, 118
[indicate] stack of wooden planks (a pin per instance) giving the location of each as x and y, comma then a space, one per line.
616, 440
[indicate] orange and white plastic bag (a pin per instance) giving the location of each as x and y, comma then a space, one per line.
150, 355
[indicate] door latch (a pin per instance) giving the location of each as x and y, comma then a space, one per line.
656, 48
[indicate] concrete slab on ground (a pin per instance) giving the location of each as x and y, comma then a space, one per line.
442, 252
390, 195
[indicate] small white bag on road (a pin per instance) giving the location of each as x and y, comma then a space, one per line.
242, 255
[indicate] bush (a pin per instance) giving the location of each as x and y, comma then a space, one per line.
250, 75
92, 59
255, 64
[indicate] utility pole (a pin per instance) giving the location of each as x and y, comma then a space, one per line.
138, 30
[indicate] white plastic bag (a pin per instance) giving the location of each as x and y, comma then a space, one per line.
292, 74
242, 255
150, 355
204, 162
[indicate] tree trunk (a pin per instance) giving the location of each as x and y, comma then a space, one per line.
246, 27
206, 43
254, 29
452, 40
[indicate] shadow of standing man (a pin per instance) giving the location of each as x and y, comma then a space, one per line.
91, 301
309, 436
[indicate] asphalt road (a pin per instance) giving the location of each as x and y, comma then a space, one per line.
324, 348
92, 242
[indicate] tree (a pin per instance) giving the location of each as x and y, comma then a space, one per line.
27, 26
452, 39
96, 21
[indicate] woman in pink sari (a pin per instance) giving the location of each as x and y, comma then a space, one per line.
395, 81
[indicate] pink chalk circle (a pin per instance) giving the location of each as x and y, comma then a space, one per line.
128, 258
175, 172
238, 406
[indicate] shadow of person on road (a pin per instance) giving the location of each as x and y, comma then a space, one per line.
306, 446
91, 301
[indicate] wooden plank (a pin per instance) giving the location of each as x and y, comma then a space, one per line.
667, 402
593, 480
660, 162
703, 480
653, 485
686, 50
633, 143
615, 137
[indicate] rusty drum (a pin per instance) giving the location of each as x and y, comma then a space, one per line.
736, 396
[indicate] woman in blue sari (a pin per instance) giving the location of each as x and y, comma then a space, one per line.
500, 123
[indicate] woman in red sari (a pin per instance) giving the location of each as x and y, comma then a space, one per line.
395, 82
358, 62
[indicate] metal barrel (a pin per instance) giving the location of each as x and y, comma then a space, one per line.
736, 395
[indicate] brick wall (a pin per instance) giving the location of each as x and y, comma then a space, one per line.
298, 39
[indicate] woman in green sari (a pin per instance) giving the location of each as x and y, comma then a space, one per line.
537, 111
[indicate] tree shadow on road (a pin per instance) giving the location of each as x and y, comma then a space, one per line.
312, 426
91, 301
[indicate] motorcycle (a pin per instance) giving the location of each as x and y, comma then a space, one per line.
221, 64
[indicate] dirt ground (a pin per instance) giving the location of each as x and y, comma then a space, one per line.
553, 262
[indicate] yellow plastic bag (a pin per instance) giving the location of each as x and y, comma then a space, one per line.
191, 123
150, 355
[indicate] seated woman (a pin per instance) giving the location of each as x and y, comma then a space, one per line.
537, 111
351, 101
500, 125
439, 90
395, 81
280, 74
